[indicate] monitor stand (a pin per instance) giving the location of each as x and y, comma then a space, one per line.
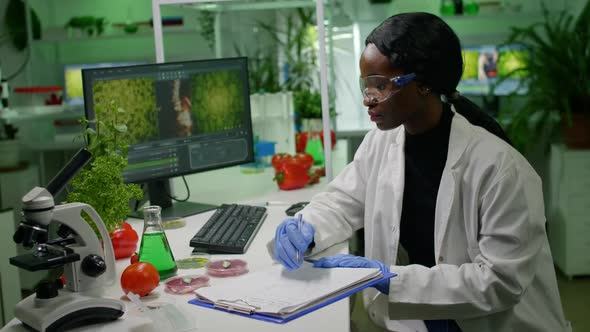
159, 194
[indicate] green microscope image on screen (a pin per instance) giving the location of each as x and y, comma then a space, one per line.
509, 61
218, 101
470, 59
137, 97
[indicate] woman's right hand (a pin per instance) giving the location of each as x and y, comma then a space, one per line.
290, 240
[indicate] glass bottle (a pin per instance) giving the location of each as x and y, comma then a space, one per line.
154, 243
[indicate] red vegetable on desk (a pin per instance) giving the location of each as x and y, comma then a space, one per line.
140, 278
291, 175
332, 136
279, 159
304, 159
300, 142
124, 241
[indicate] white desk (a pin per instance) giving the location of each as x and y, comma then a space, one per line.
334, 317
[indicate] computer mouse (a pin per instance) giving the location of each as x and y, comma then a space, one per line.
295, 208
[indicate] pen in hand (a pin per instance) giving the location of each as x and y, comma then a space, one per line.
299, 256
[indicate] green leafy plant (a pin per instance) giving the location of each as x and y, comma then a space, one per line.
557, 75
297, 44
263, 73
207, 25
89, 24
101, 183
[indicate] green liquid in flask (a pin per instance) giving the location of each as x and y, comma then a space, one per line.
315, 149
156, 251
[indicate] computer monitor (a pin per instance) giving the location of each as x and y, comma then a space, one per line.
73, 90
182, 118
490, 69
512, 61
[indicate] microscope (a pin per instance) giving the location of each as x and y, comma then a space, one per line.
87, 266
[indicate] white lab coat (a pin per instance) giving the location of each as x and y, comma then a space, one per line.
494, 267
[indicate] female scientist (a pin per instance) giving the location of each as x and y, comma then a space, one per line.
452, 209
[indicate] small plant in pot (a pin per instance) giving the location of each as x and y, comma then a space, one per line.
100, 184
557, 75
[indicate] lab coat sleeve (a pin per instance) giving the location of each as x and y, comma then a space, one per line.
511, 235
339, 211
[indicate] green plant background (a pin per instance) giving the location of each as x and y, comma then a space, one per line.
138, 98
218, 99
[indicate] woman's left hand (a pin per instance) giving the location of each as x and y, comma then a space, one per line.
344, 260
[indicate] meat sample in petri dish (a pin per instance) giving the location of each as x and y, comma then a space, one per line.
186, 284
227, 268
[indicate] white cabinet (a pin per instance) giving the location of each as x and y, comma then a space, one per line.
569, 210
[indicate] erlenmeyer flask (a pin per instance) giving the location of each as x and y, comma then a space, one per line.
154, 244
314, 142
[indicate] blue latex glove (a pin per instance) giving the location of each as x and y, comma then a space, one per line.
289, 240
343, 260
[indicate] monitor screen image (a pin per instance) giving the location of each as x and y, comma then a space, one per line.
181, 118
512, 60
73, 90
486, 68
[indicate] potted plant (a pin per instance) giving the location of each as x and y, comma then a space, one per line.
100, 184
557, 75
298, 46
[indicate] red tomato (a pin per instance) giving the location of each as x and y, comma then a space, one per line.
124, 242
140, 278
134, 258
300, 142
291, 176
63, 280
332, 136
279, 159
304, 159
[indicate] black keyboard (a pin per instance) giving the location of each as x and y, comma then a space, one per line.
230, 229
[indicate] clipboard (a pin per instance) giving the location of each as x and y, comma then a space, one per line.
245, 310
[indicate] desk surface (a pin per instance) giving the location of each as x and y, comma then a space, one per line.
334, 317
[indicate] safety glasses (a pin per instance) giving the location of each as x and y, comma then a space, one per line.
378, 88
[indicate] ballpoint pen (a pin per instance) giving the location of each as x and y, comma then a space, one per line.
299, 256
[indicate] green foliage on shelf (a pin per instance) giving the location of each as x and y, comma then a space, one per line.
263, 74
207, 25
89, 24
100, 184
557, 75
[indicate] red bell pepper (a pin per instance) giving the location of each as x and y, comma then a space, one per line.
300, 142
304, 159
279, 159
291, 176
124, 241
332, 136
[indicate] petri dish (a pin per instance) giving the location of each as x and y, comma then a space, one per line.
193, 262
173, 223
186, 284
227, 268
